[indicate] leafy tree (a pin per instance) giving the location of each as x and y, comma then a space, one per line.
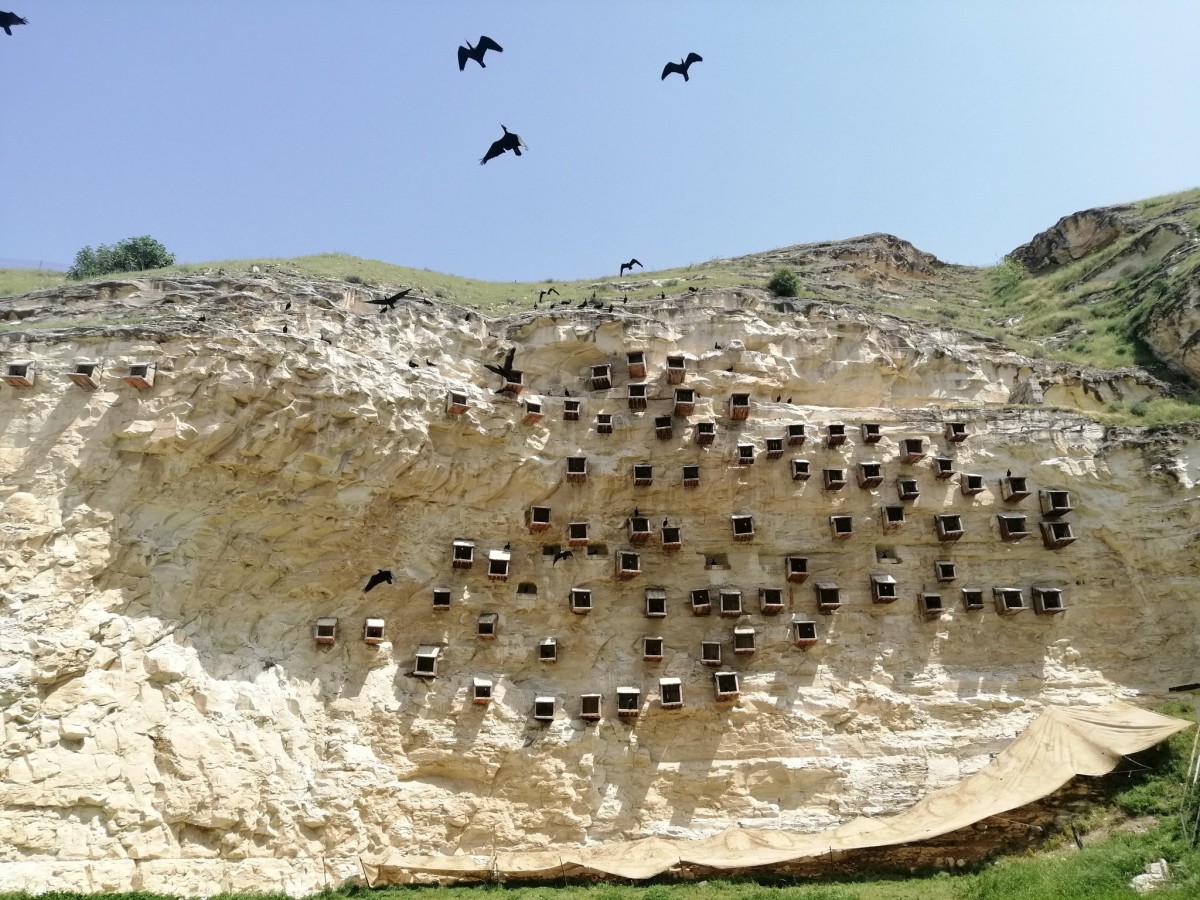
785, 282
130, 255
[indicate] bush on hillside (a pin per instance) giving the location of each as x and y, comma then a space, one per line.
130, 255
784, 283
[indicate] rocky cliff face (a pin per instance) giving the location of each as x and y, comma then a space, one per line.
166, 554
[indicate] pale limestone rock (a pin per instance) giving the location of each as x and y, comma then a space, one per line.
170, 723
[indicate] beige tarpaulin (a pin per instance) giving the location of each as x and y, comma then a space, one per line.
1060, 744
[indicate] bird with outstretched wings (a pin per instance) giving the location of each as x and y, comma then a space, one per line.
476, 53
504, 371
510, 141
7, 20
681, 67
378, 578
390, 302
629, 265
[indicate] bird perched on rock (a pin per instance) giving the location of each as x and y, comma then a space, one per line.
379, 578
476, 53
629, 265
681, 67
510, 141
779, 398
412, 364
542, 294
561, 554
7, 20
390, 302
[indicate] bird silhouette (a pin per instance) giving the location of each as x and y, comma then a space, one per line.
390, 302
629, 265
542, 294
505, 371
716, 346
566, 392
779, 398
511, 141
789, 400
625, 299
1008, 474
508, 546
681, 67
730, 369
476, 53
379, 578
662, 295
583, 303
285, 329
412, 364
664, 523
636, 514
431, 365
287, 306
561, 554
8, 19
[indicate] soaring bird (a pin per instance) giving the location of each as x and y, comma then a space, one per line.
7, 20
542, 294
561, 554
476, 53
390, 302
505, 370
511, 141
681, 68
379, 578
629, 265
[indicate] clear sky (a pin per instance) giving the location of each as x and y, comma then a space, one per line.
249, 128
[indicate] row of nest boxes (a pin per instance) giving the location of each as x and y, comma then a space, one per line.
726, 687
738, 407
728, 600
947, 527
745, 642
87, 375
1046, 599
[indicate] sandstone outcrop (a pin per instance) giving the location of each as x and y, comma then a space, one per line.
166, 553
1074, 237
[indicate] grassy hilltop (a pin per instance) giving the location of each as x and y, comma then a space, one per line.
1092, 310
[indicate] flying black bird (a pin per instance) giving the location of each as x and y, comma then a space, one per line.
476, 53
681, 68
561, 554
8, 19
629, 265
511, 141
542, 294
379, 578
505, 370
390, 302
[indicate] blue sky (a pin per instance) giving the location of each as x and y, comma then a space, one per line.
247, 128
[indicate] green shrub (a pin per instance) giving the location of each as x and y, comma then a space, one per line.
784, 283
1006, 280
133, 254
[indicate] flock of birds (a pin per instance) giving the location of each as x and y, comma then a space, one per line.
511, 140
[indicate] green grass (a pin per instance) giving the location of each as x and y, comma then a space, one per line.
22, 281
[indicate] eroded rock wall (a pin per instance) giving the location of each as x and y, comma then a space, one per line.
165, 554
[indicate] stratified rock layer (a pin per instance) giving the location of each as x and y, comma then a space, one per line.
165, 555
